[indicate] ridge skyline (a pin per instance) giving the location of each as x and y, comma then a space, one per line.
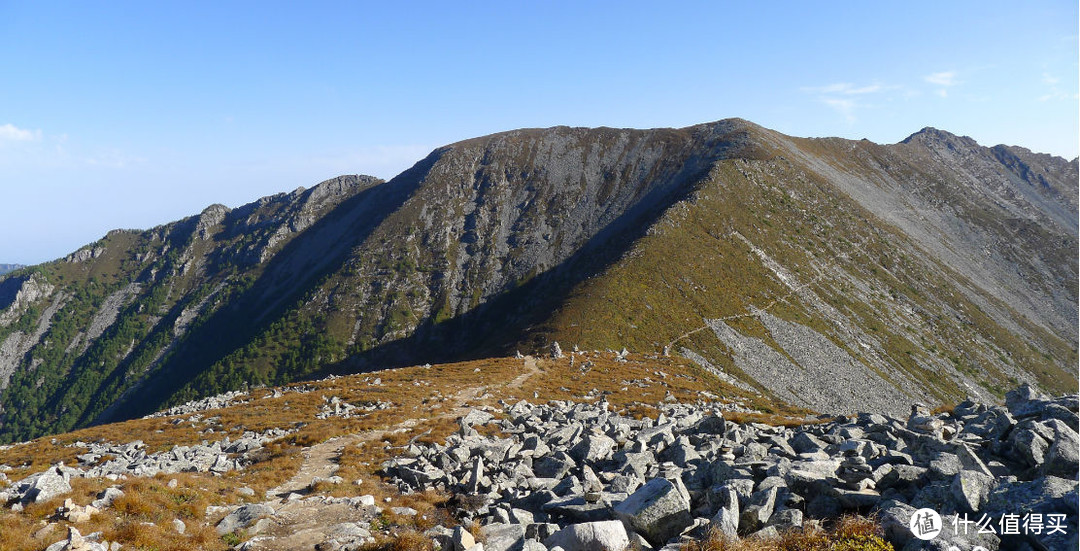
88, 238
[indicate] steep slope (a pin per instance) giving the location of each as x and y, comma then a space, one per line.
827, 273
841, 274
489, 234
78, 333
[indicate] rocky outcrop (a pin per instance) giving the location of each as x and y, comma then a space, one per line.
668, 479
120, 461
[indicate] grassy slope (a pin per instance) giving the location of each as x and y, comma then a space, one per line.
826, 243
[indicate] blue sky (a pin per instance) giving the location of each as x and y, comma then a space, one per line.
129, 115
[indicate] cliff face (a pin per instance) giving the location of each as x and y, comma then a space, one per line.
930, 269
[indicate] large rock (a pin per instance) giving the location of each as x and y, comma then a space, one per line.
76, 542
992, 424
243, 517
657, 511
462, 539
805, 442
608, 535
970, 490
1062, 457
1024, 401
709, 424
1049, 494
758, 511
895, 520
49, 484
726, 519
503, 537
106, 497
555, 465
1028, 446
593, 448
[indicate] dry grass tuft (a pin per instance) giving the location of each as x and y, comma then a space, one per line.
411, 541
944, 408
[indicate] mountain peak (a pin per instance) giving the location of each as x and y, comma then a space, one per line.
932, 136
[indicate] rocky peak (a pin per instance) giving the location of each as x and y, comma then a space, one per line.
940, 140
16, 293
211, 216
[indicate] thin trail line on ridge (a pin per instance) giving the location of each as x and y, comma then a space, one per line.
766, 308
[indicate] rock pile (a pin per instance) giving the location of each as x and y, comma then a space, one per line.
212, 402
334, 406
579, 476
131, 459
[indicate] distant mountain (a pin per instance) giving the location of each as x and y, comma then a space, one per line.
826, 273
5, 268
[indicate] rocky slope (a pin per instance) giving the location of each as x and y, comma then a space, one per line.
575, 475
926, 270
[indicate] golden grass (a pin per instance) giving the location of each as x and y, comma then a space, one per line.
428, 396
140, 519
944, 408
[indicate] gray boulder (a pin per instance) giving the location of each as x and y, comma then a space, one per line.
895, 520
243, 517
758, 511
1024, 401
607, 535
726, 519
49, 484
1028, 446
1062, 457
657, 511
106, 497
593, 448
709, 424
555, 465
970, 490
503, 537
462, 539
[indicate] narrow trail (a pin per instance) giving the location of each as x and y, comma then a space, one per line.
765, 308
304, 524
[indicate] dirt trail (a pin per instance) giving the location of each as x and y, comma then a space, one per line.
321, 460
304, 524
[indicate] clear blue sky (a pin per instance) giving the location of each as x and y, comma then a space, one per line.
129, 115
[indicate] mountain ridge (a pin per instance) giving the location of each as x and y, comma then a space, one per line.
527, 237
